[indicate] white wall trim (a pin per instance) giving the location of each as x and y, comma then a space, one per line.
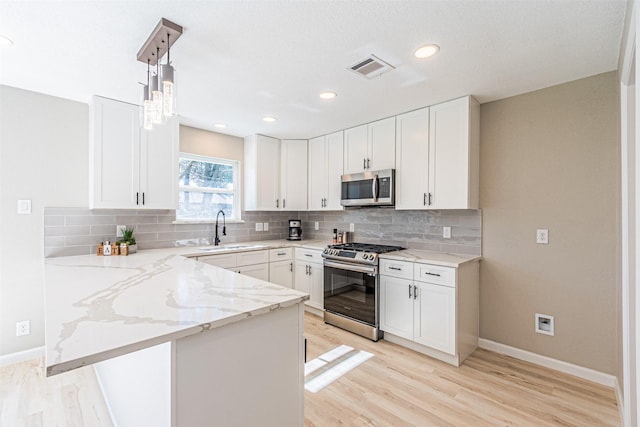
620, 400
568, 368
21, 356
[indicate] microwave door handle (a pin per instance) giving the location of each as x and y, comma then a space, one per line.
374, 188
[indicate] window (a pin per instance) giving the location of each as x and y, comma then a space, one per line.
207, 185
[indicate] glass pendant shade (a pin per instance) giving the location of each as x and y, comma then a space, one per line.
156, 98
168, 90
147, 109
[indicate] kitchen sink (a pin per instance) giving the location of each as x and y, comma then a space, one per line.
229, 248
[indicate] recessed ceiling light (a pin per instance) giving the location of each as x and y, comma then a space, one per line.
426, 51
328, 95
269, 119
220, 125
5, 41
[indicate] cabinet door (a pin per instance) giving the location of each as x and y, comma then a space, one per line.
412, 160
302, 281
316, 275
281, 273
114, 153
293, 183
318, 173
335, 166
452, 155
396, 306
355, 149
261, 173
381, 147
159, 166
224, 261
435, 317
259, 271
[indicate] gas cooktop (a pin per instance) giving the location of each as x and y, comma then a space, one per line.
361, 253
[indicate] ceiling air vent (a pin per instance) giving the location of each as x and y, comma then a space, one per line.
371, 67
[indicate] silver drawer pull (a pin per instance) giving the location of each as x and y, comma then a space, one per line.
410, 292
432, 274
395, 268
309, 255
281, 253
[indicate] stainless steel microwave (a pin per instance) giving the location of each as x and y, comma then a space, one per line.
371, 188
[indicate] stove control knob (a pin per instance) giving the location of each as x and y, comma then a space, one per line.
325, 251
365, 256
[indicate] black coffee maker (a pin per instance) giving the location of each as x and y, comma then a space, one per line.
295, 229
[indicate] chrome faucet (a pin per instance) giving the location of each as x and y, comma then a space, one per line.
216, 241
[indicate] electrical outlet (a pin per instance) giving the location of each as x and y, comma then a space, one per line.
266, 226
544, 324
120, 230
24, 207
316, 226
446, 232
23, 328
259, 226
542, 236
352, 227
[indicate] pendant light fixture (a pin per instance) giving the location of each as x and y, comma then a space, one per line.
168, 89
147, 105
160, 94
156, 94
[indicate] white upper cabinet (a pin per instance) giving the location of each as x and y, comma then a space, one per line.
293, 174
370, 146
261, 173
325, 169
437, 156
129, 166
275, 174
412, 159
454, 154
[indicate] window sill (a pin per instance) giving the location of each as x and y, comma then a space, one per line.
207, 221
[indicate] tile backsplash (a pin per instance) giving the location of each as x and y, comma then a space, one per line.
77, 231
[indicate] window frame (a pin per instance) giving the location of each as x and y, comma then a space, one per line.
237, 187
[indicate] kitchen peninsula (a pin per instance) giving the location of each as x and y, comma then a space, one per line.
192, 344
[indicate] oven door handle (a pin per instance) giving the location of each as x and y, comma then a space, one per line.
351, 267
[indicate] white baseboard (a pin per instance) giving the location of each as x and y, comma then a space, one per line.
620, 400
568, 368
21, 356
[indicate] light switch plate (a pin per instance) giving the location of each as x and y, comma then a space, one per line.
266, 226
120, 230
24, 207
316, 226
259, 226
352, 227
542, 236
446, 232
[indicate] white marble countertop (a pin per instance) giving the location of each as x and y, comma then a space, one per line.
429, 257
195, 251
102, 307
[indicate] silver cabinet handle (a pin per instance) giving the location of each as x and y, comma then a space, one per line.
277, 203
424, 200
432, 274
364, 163
309, 255
410, 292
395, 268
291, 267
415, 292
281, 253
368, 167
283, 203
429, 199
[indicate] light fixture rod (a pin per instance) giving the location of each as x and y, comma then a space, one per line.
157, 38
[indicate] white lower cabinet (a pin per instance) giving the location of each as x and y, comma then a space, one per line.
431, 309
281, 267
309, 276
252, 263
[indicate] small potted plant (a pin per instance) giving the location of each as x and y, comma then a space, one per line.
128, 243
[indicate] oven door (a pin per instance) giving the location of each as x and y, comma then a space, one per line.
351, 290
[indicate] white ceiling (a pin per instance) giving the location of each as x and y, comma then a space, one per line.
240, 60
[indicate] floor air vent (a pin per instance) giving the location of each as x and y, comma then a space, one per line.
371, 67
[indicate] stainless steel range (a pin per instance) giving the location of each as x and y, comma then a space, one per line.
351, 287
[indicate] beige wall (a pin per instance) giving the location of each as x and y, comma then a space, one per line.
44, 146
205, 143
550, 159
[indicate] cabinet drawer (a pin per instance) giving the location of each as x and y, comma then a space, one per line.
224, 261
282, 254
309, 255
402, 269
435, 274
252, 257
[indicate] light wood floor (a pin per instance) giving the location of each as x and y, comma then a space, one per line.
396, 387
399, 387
